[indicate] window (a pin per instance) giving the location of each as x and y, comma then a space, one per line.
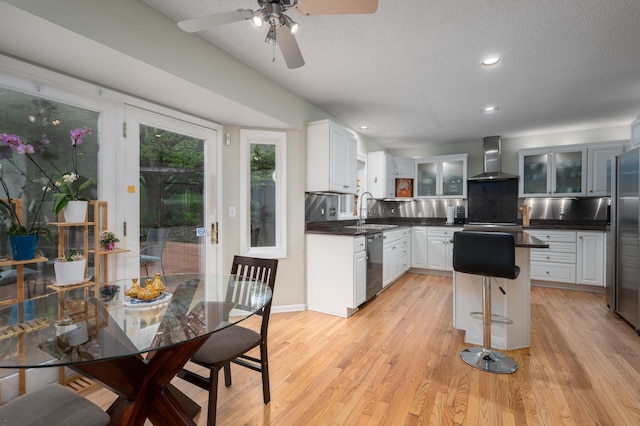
263, 202
44, 124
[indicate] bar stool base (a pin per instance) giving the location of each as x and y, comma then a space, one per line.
488, 360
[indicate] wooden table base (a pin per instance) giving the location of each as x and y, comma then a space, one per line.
143, 386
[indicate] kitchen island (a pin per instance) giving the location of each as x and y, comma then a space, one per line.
509, 298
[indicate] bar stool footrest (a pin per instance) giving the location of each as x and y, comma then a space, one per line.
495, 319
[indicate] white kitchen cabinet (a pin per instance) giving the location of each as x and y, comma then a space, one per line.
558, 262
572, 257
590, 265
360, 280
381, 174
336, 269
635, 132
440, 248
395, 254
405, 168
444, 176
547, 172
598, 156
419, 247
331, 158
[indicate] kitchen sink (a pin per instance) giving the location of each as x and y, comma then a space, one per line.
371, 226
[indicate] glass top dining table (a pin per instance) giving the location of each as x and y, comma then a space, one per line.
60, 328
131, 346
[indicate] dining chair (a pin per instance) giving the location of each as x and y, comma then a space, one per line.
231, 344
154, 248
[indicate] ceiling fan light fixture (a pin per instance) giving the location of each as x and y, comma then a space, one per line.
271, 35
258, 18
290, 23
257, 21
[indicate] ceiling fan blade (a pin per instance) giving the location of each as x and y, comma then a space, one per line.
290, 49
213, 20
336, 7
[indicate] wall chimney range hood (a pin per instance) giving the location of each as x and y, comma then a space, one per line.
492, 149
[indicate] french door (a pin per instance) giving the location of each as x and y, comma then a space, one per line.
171, 194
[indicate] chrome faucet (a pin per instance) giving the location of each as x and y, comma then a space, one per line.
362, 205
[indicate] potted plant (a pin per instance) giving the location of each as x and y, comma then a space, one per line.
23, 240
69, 186
70, 269
108, 240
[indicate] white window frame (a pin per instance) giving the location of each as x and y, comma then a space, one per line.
263, 137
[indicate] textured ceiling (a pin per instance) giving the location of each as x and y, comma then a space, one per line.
412, 72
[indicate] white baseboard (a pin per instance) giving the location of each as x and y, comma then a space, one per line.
288, 308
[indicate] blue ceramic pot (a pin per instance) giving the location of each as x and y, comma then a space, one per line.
23, 247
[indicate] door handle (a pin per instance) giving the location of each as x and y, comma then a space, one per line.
214, 233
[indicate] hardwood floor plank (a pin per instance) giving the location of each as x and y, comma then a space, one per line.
396, 361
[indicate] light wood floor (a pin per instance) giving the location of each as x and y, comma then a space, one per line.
396, 362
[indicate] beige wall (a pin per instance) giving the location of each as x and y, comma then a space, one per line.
291, 271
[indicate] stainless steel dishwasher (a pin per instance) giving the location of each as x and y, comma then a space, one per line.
374, 264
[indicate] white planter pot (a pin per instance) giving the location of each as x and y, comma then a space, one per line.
70, 273
75, 212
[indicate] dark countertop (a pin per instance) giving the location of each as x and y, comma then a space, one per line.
342, 230
336, 227
528, 241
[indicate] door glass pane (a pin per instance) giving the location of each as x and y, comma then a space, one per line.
45, 125
568, 172
453, 177
535, 173
427, 180
171, 202
263, 195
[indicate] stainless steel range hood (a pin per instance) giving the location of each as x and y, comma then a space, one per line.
492, 171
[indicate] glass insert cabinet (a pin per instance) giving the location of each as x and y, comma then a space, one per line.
557, 172
441, 177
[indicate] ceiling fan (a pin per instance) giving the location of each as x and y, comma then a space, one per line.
281, 27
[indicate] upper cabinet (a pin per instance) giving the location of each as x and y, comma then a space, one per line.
381, 174
549, 172
331, 158
405, 168
444, 176
598, 157
635, 132
567, 171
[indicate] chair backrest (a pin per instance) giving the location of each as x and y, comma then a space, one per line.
156, 240
253, 268
485, 253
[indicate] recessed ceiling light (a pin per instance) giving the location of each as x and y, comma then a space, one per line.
364, 127
487, 62
490, 109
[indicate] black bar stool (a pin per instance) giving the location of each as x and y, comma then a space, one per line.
490, 254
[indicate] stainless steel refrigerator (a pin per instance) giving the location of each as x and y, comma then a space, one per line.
626, 223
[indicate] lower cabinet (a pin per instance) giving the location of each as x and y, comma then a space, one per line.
360, 279
591, 258
395, 254
336, 273
572, 257
440, 248
419, 247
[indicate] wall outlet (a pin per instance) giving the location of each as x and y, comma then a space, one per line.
232, 212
